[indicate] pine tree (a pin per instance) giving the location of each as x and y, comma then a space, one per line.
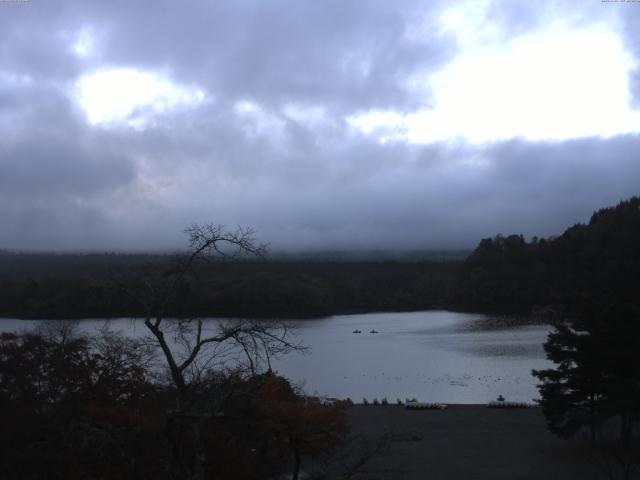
572, 393
596, 375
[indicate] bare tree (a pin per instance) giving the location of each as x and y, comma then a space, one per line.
190, 345
195, 350
59, 332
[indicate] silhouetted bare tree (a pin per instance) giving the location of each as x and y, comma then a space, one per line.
192, 347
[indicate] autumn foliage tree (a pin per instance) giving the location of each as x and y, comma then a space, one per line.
84, 408
68, 410
302, 425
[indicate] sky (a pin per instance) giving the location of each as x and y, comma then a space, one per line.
323, 125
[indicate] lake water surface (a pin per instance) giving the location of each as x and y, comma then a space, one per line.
436, 356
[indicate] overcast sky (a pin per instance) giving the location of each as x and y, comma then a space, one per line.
323, 124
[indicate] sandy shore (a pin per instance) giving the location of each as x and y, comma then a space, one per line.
464, 442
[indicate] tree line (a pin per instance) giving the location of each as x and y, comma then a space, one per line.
85, 286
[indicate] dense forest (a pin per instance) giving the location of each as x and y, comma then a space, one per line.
77, 286
589, 263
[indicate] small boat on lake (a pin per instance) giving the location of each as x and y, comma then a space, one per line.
373, 331
357, 331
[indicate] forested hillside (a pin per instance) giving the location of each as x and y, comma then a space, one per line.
596, 262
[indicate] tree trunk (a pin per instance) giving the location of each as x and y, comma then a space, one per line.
592, 427
184, 434
626, 427
176, 373
296, 459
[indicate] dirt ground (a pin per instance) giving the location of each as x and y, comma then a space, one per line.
461, 442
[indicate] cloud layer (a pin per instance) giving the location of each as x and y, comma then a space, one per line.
242, 113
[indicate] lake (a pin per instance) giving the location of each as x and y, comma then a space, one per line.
434, 356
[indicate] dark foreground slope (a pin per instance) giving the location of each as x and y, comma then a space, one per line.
464, 442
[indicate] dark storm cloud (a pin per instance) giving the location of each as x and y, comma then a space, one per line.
515, 187
58, 176
349, 191
630, 19
541, 188
48, 150
303, 182
346, 54
36, 37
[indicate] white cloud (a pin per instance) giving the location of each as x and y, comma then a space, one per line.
131, 97
258, 121
557, 84
470, 23
84, 43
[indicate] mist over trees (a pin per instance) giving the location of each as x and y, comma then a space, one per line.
505, 273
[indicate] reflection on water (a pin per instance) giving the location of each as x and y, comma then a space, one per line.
437, 356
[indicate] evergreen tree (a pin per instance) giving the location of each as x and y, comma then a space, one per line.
596, 375
572, 393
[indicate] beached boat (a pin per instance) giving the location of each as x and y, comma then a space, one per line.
425, 406
504, 404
